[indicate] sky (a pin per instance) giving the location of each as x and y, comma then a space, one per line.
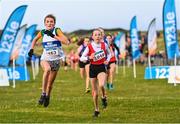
72, 15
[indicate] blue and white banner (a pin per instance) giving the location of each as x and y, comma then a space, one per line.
134, 39
158, 72
28, 37
120, 41
117, 41
20, 73
9, 34
4, 80
170, 29
152, 38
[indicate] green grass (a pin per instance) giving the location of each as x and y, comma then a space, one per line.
132, 100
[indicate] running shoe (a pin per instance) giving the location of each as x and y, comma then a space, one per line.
87, 90
111, 87
96, 113
46, 101
41, 99
104, 102
107, 86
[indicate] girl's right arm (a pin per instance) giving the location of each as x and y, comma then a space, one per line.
37, 37
79, 49
84, 56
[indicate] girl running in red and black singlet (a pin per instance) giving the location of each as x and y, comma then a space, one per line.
99, 55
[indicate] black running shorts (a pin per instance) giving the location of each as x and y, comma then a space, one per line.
108, 66
96, 69
82, 64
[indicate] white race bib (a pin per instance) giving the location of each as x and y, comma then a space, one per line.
99, 55
52, 51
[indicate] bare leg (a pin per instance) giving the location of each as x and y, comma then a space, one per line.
94, 85
46, 68
101, 78
82, 73
87, 75
112, 71
51, 79
76, 66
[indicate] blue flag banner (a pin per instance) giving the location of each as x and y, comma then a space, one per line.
134, 39
170, 29
20, 73
158, 72
117, 42
28, 37
9, 34
117, 39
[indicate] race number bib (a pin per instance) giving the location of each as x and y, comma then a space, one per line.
52, 51
99, 55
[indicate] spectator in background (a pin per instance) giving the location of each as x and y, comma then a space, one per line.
73, 57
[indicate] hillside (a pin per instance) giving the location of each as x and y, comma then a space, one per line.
75, 35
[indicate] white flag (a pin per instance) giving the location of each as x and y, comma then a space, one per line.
18, 42
152, 38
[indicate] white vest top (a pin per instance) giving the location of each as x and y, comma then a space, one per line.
52, 48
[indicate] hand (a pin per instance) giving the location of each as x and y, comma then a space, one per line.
31, 52
49, 33
92, 56
106, 62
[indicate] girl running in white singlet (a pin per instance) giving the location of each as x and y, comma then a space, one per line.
52, 53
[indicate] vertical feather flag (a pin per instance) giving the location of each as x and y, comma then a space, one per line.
152, 45
122, 47
134, 43
152, 38
9, 34
134, 39
170, 29
18, 42
28, 37
120, 41
117, 41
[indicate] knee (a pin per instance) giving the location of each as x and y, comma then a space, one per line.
101, 86
95, 94
47, 70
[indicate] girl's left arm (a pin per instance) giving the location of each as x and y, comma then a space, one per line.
61, 37
108, 53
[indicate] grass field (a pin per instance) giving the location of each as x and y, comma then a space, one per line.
132, 100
